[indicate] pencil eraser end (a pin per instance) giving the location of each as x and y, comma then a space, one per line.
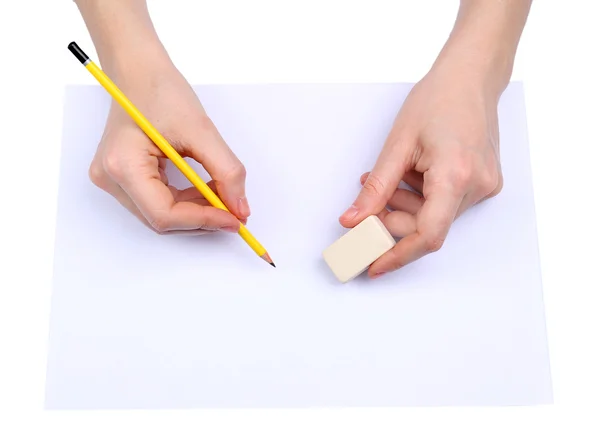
356, 250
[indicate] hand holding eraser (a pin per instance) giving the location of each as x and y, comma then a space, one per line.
352, 254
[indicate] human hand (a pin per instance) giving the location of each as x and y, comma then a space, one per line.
127, 164
130, 167
444, 143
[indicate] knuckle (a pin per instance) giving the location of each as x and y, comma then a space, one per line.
488, 181
236, 172
113, 165
205, 123
499, 185
396, 264
209, 228
461, 174
398, 258
374, 185
433, 243
96, 175
160, 222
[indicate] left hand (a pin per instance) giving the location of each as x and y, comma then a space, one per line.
444, 143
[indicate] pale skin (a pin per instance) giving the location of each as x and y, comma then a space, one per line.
444, 142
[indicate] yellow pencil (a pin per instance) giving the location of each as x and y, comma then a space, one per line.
164, 145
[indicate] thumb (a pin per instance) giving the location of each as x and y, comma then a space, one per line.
226, 170
378, 188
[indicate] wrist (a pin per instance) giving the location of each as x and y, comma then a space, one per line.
483, 43
130, 64
134, 51
124, 37
484, 67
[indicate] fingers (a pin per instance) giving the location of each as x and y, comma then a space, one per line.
193, 195
224, 167
402, 199
432, 225
380, 184
119, 194
98, 177
144, 191
162, 164
406, 201
415, 180
398, 223
158, 205
486, 187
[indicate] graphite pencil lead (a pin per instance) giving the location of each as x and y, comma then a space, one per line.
268, 259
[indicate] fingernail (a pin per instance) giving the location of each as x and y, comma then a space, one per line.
244, 207
350, 213
377, 275
231, 229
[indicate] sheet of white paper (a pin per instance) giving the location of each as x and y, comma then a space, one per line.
147, 321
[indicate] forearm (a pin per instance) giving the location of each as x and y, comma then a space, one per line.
123, 35
483, 43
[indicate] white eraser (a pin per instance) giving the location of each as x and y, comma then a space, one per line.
352, 254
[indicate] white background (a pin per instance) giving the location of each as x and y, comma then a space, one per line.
309, 41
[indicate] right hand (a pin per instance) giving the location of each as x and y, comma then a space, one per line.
130, 167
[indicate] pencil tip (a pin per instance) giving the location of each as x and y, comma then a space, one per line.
268, 259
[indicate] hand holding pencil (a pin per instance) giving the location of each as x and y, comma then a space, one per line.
161, 118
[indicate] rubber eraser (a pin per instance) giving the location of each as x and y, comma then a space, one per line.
352, 254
